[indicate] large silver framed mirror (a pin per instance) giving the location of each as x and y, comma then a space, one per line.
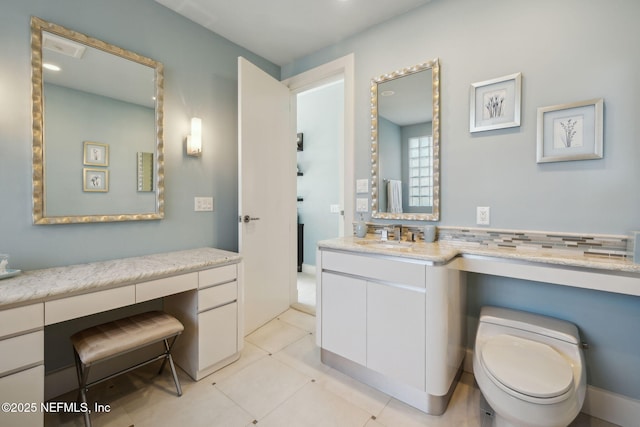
405, 143
98, 151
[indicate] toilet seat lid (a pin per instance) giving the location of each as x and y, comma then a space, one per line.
527, 367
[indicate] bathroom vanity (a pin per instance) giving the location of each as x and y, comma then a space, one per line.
202, 287
389, 313
391, 322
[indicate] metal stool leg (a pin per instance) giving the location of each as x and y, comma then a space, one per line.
83, 376
175, 375
171, 365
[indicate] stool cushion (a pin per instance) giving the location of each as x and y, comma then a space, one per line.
124, 335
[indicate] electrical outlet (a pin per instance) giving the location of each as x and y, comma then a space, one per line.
362, 205
483, 215
203, 204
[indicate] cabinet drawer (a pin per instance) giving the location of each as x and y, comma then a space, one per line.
376, 268
218, 335
21, 351
217, 275
16, 320
162, 287
83, 305
217, 295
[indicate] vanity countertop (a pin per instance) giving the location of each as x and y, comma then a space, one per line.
57, 282
441, 252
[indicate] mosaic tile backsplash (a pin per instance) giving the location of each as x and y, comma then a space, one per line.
597, 245
587, 244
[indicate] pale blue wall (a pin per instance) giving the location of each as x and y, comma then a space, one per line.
320, 119
200, 80
567, 51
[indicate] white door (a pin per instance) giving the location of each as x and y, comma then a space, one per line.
266, 200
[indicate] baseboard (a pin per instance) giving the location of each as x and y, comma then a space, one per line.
611, 407
60, 382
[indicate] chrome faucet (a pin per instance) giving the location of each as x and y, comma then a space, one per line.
396, 229
397, 232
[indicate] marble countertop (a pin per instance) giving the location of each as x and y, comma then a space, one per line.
52, 283
441, 252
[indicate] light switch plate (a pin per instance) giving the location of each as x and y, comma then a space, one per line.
203, 204
334, 208
362, 205
362, 186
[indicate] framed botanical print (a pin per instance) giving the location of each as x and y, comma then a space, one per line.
96, 154
570, 131
95, 180
495, 104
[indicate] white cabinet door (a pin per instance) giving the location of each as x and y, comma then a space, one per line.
396, 333
344, 328
218, 334
23, 388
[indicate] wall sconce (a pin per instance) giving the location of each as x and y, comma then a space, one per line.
194, 141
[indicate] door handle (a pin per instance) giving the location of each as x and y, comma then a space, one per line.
246, 219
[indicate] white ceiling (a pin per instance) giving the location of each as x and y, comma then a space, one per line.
284, 30
98, 72
410, 101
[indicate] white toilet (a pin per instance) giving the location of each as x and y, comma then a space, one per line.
529, 368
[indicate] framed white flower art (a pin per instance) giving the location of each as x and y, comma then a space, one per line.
570, 131
495, 104
96, 154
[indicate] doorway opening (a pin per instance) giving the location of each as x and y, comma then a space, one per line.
320, 135
322, 101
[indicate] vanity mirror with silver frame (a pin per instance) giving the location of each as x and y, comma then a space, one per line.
88, 93
405, 143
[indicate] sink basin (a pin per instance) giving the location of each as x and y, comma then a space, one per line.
386, 244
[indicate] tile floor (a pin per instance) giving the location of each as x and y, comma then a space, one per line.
279, 381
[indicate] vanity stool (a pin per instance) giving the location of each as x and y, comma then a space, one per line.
102, 342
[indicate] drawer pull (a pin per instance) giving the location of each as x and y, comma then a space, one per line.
217, 306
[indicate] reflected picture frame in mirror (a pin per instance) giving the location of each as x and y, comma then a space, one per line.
376, 186
154, 209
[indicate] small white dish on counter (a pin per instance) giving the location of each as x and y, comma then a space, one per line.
9, 273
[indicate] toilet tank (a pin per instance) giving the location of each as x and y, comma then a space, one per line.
543, 325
